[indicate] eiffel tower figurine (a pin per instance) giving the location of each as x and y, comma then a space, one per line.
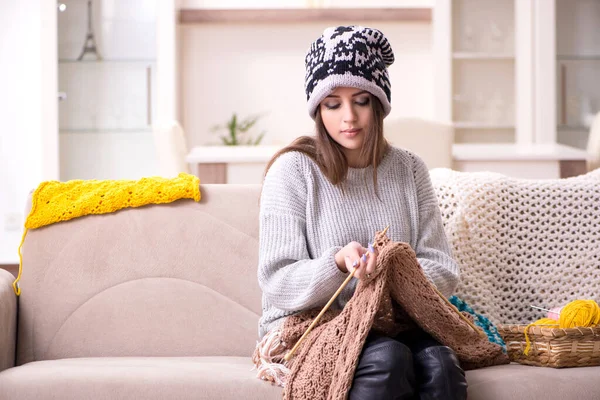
89, 46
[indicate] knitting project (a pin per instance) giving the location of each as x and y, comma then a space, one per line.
398, 296
55, 201
521, 242
480, 320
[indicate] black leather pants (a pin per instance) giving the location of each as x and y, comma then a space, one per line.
410, 366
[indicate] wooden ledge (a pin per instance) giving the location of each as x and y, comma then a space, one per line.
193, 16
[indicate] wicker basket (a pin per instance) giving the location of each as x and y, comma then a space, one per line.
553, 347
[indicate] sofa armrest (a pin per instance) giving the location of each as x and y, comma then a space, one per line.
8, 320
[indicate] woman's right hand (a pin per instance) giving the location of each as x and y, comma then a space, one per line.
354, 256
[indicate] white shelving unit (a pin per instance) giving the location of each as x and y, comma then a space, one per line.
107, 95
496, 82
109, 102
478, 94
578, 68
518, 71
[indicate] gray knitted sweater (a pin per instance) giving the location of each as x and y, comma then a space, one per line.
305, 220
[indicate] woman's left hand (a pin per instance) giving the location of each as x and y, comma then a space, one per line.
365, 265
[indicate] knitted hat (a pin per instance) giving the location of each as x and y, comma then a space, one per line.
348, 56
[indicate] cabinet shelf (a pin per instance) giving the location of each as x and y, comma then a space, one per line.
482, 56
574, 57
572, 128
275, 15
481, 125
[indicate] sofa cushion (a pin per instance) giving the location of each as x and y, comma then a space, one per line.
150, 378
147, 378
518, 382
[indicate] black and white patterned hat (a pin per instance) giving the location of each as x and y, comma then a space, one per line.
348, 56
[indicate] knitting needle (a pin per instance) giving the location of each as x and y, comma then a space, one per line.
290, 354
467, 320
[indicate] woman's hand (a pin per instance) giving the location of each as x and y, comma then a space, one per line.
354, 256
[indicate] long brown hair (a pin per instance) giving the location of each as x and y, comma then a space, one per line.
328, 154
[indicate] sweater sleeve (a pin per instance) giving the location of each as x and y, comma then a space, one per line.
433, 251
288, 276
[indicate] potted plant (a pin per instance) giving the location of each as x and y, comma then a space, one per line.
238, 131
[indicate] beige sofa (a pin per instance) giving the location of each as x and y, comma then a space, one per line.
162, 302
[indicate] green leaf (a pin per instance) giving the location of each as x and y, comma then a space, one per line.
259, 138
248, 123
237, 129
233, 127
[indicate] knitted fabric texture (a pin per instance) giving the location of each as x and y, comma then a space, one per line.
55, 201
395, 298
521, 242
348, 56
480, 320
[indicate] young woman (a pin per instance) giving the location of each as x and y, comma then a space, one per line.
323, 199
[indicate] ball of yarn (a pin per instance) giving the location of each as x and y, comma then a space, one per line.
580, 313
546, 321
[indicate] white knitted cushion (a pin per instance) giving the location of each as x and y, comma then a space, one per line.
522, 242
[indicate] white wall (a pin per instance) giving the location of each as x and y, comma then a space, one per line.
28, 135
259, 68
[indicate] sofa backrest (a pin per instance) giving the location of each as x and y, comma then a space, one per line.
180, 279
162, 280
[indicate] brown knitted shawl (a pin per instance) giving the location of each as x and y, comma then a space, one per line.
395, 297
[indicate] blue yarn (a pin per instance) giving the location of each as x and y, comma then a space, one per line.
490, 329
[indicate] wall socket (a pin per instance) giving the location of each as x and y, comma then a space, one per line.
13, 221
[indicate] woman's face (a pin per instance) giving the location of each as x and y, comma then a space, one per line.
347, 115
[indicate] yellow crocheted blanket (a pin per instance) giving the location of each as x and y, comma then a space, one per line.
55, 201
